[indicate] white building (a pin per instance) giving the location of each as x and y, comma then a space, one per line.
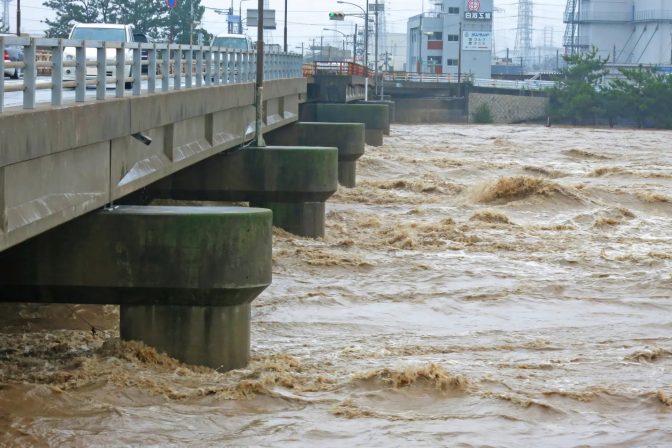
454, 38
395, 47
627, 31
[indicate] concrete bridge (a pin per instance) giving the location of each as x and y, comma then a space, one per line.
78, 170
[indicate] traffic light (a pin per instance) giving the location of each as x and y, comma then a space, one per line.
336, 16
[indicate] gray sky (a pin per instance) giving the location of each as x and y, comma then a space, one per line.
307, 18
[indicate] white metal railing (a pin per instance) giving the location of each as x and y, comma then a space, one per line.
188, 66
653, 15
527, 84
599, 16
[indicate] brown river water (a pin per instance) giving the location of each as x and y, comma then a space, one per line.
482, 286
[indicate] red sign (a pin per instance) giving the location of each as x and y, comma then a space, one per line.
473, 5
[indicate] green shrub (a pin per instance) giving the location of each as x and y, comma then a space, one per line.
482, 115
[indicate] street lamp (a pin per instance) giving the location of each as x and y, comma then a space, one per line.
366, 45
345, 36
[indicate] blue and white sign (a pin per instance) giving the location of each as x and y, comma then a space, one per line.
476, 40
171, 3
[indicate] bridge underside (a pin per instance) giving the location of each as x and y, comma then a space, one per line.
60, 163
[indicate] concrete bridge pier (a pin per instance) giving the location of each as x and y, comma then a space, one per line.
375, 116
292, 181
347, 137
391, 105
184, 276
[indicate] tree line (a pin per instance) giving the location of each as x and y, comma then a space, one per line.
641, 96
151, 17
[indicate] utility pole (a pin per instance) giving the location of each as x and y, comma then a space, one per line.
459, 63
375, 69
191, 22
354, 45
285, 26
260, 75
18, 17
366, 52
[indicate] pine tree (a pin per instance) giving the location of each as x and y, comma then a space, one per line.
152, 17
69, 12
177, 26
146, 16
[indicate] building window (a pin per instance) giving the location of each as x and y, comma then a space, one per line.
451, 61
434, 60
453, 10
453, 38
436, 35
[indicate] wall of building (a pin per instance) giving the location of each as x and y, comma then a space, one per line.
396, 46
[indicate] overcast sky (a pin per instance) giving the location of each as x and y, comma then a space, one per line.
307, 18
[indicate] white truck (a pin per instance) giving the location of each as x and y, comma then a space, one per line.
100, 32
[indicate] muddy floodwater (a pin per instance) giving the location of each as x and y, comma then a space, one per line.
482, 286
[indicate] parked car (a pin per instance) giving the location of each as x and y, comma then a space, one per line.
12, 53
232, 41
101, 32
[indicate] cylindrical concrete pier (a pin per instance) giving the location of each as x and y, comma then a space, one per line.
215, 336
299, 218
347, 137
347, 173
375, 116
292, 181
184, 276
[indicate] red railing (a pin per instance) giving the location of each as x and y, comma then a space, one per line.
335, 68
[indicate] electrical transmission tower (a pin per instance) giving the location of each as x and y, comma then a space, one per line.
524, 31
4, 22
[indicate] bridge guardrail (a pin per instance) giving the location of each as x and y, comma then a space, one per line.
527, 84
198, 66
342, 68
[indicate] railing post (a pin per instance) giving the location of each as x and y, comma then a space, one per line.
208, 67
151, 69
199, 66
188, 69
137, 70
243, 65
80, 72
165, 69
228, 67
239, 65
101, 71
254, 64
217, 68
120, 71
2, 71
56, 74
177, 71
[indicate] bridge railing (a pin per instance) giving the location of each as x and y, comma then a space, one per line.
341, 68
142, 67
526, 84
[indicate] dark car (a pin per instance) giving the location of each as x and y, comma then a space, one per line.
13, 53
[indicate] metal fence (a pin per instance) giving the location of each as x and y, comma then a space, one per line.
142, 67
528, 84
340, 68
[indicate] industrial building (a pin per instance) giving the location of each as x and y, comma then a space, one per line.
626, 31
454, 38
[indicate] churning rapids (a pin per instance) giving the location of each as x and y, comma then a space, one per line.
483, 285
